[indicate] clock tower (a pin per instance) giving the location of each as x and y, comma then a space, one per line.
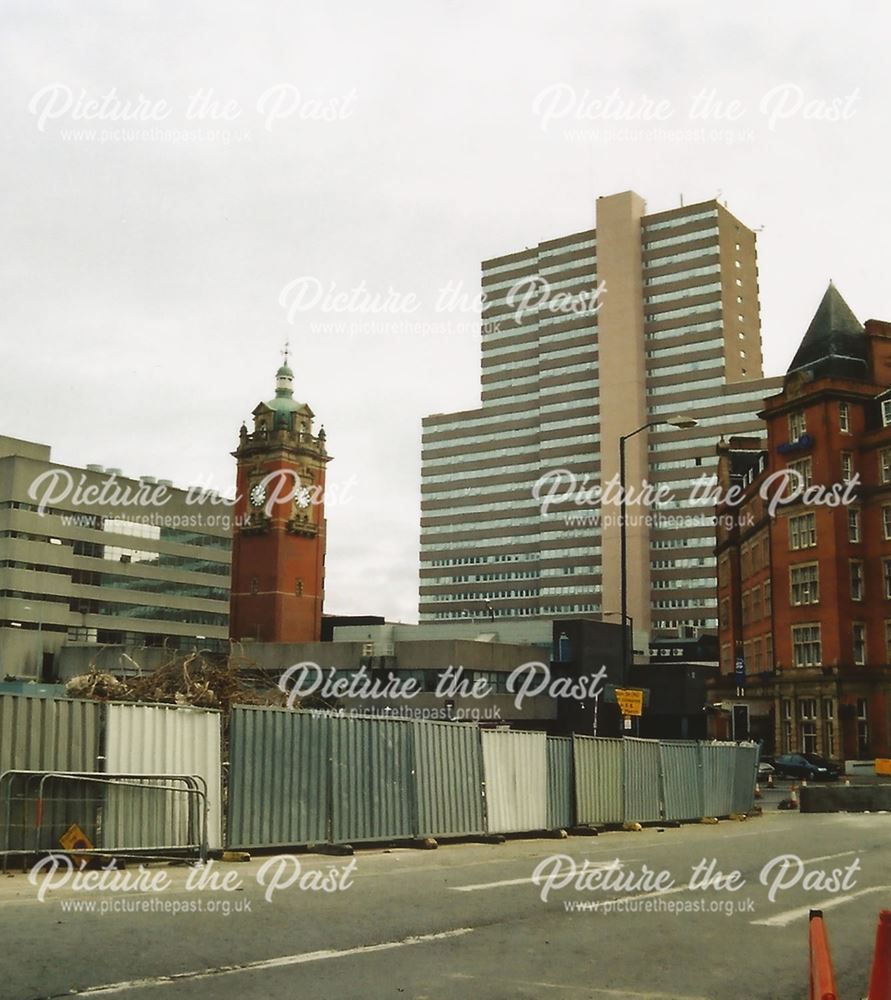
278, 548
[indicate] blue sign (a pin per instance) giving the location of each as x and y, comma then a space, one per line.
805, 441
740, 672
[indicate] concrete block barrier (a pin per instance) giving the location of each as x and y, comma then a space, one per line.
845, 798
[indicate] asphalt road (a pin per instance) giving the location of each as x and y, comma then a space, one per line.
468, 921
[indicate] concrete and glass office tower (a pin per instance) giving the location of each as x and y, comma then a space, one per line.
88, 556
585, 339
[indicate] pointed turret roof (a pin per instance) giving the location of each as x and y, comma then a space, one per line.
835, 343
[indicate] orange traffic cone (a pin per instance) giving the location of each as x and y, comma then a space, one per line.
847, 780
793, 797
757, 790
822, 975
880, 977
770, 780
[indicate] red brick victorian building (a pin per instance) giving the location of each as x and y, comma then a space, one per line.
804, 557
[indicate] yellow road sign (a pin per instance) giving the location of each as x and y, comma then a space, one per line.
73, 839
630, 700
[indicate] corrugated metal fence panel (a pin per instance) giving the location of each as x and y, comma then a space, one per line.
559, 782
42, 734
61, 803
372, 786
278, 778
643, 803
516, 771
681, 780
717, 778
47, 734
448, 779
599, 779
155, 739
744, 774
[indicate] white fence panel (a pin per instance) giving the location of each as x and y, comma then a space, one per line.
516, 774
160, 739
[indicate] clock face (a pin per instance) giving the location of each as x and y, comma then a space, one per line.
258, 494
303, 498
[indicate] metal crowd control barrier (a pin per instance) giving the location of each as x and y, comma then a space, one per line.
41, 806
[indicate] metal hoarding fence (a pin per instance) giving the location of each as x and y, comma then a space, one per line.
599, 779
718, 766
279, 775
303, 778
448, 779
299, 778
745, 774
47, 734
681, 780
372, 787
162, 739
560, 788
643, 802
516, 775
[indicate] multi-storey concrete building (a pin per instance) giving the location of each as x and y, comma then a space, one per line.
90, 556
804, 550
585, 339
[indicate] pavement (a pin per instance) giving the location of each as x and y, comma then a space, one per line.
699, 912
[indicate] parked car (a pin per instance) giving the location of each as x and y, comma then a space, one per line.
810, 766
765, 769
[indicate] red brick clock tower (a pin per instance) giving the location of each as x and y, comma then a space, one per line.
278, 548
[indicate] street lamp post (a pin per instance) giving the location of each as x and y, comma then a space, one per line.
627, 624
678, 421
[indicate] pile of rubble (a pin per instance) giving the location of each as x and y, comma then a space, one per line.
191, 679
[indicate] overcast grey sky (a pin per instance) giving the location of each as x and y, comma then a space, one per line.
395, 144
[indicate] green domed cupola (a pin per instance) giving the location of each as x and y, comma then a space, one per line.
283, 403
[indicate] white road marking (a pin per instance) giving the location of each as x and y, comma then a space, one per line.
587, 990
267, 963
786, 918
644, 895
829, 857
598, 866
